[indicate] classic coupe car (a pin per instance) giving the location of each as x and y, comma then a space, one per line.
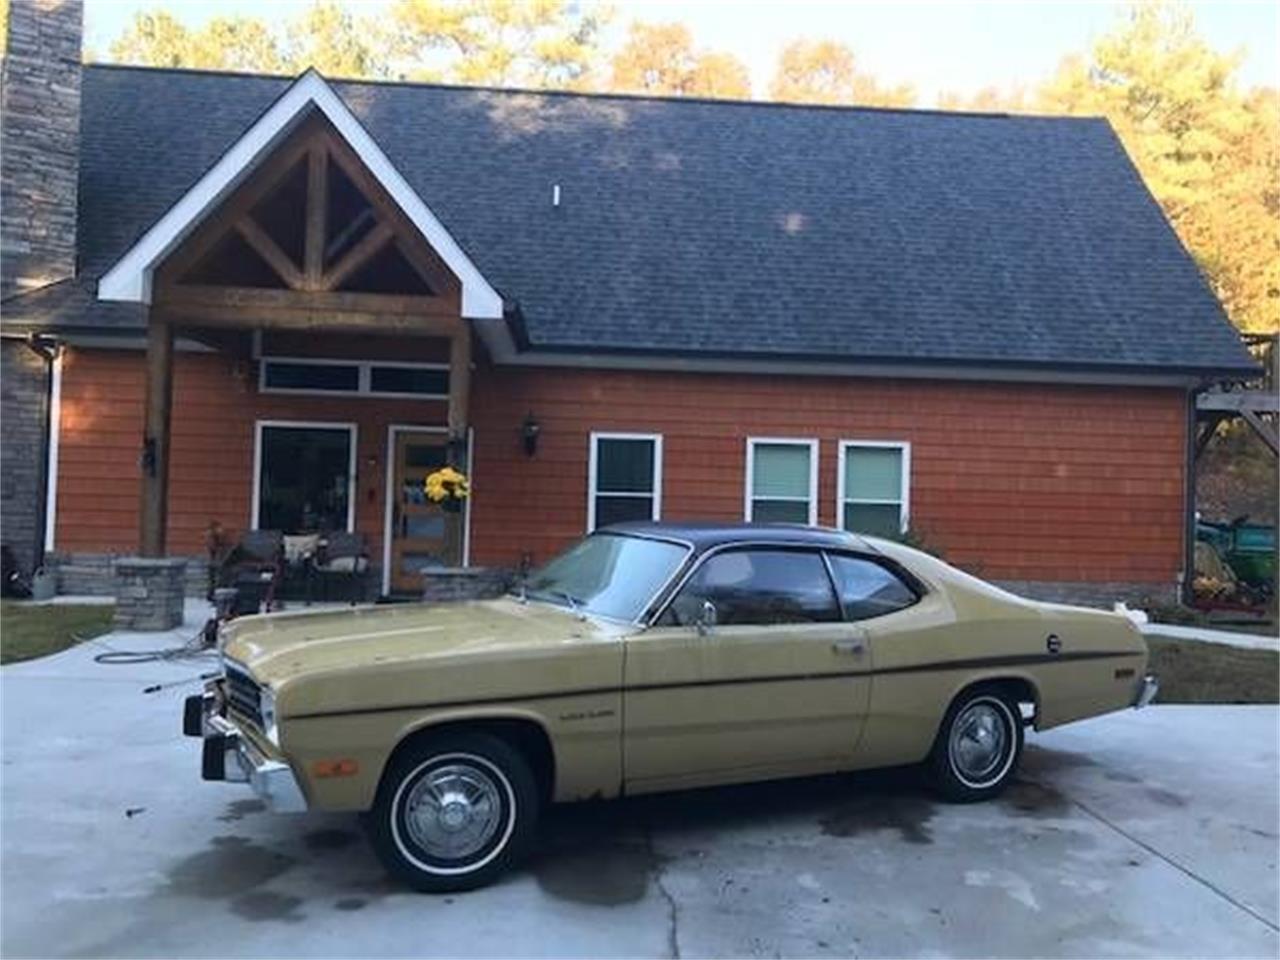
649, 657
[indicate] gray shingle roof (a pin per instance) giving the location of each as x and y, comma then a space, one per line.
726, 228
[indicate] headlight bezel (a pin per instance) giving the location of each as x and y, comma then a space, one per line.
267, 710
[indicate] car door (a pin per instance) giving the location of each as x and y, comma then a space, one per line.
907, 630
777, 686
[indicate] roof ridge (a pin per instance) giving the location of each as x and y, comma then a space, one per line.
597, 94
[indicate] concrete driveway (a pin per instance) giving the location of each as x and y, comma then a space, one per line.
1139, 834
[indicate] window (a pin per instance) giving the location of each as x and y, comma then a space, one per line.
303, 477
867, 589
758, 587
614, 576
625, 481
782, 481
873, 484
311, 377
415, 381
356, 377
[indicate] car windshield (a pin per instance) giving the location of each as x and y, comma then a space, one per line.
607, 574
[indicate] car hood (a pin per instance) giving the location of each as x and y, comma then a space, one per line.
277, 647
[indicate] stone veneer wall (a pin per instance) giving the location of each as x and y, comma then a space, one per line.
465, 583
23, 395
149, 593
39, 143
93, 574
1104, 595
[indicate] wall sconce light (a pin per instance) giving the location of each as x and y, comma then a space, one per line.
529, 431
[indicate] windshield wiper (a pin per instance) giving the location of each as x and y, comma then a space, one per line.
575, 605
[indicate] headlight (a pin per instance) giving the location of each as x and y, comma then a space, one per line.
267, 707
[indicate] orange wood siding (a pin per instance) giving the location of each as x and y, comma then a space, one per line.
216, 403
1011, 481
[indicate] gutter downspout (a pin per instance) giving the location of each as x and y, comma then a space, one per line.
1187, 586
49, 349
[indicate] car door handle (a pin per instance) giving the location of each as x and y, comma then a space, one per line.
853, 647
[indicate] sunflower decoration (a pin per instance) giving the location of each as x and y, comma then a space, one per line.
448, 487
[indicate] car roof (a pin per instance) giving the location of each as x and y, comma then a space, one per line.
706, 536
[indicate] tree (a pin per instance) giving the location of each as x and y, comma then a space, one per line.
986, 100
660, 58
525, 43
1207, 152
224, 43
327, 37
824, 71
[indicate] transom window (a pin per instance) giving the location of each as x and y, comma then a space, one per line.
873, 485
782, 481
304, 476
424, 381
625, 480
758, 587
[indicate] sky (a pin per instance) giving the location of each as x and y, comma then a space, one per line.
944, 45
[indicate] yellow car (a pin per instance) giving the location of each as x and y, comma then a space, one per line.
649, 657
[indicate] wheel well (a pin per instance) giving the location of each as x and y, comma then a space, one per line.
1020, 689
527, 736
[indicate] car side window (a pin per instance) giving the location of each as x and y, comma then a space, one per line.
868, 589
758, 587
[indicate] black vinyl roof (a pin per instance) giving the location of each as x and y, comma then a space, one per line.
707, 536
693, 227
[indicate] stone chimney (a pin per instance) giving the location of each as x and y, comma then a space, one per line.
39, 143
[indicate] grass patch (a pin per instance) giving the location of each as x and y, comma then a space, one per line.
1191, 671
29, 630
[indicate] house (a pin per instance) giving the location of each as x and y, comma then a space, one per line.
279, 303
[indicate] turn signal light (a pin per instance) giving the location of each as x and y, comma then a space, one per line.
335, 768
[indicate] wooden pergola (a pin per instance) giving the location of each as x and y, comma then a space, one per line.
310, 241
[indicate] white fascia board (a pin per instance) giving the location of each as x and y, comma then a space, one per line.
130, 278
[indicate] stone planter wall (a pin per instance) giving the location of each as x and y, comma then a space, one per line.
93, 574
149, 593
465, 583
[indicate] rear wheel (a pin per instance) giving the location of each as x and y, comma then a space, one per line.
454, 812
978, 745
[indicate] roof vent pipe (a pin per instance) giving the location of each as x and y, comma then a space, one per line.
555, 195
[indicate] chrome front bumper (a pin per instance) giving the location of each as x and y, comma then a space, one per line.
1145, 691
231, 756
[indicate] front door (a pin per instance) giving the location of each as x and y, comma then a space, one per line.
421, 535
778, 687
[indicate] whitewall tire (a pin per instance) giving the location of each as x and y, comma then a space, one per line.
454, 811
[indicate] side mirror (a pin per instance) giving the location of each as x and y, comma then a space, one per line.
707, 619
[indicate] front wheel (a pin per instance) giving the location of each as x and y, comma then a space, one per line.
454, 812
978, 745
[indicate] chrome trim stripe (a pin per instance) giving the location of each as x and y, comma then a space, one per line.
1040, 659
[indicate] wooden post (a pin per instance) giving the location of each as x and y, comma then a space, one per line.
459, 381
154, 508
459, 395
317, 211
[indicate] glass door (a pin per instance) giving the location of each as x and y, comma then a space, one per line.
421, 534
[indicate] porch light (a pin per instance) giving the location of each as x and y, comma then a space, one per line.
529, 431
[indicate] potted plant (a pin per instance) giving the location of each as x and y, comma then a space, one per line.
449, 488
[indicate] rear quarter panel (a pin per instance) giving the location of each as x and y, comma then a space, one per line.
964, 632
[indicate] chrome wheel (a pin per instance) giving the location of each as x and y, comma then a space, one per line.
453, 811
979, 744
453, 814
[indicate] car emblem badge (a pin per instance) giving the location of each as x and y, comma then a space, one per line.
1053, 643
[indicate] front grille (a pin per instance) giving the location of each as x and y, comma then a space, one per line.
243, 696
